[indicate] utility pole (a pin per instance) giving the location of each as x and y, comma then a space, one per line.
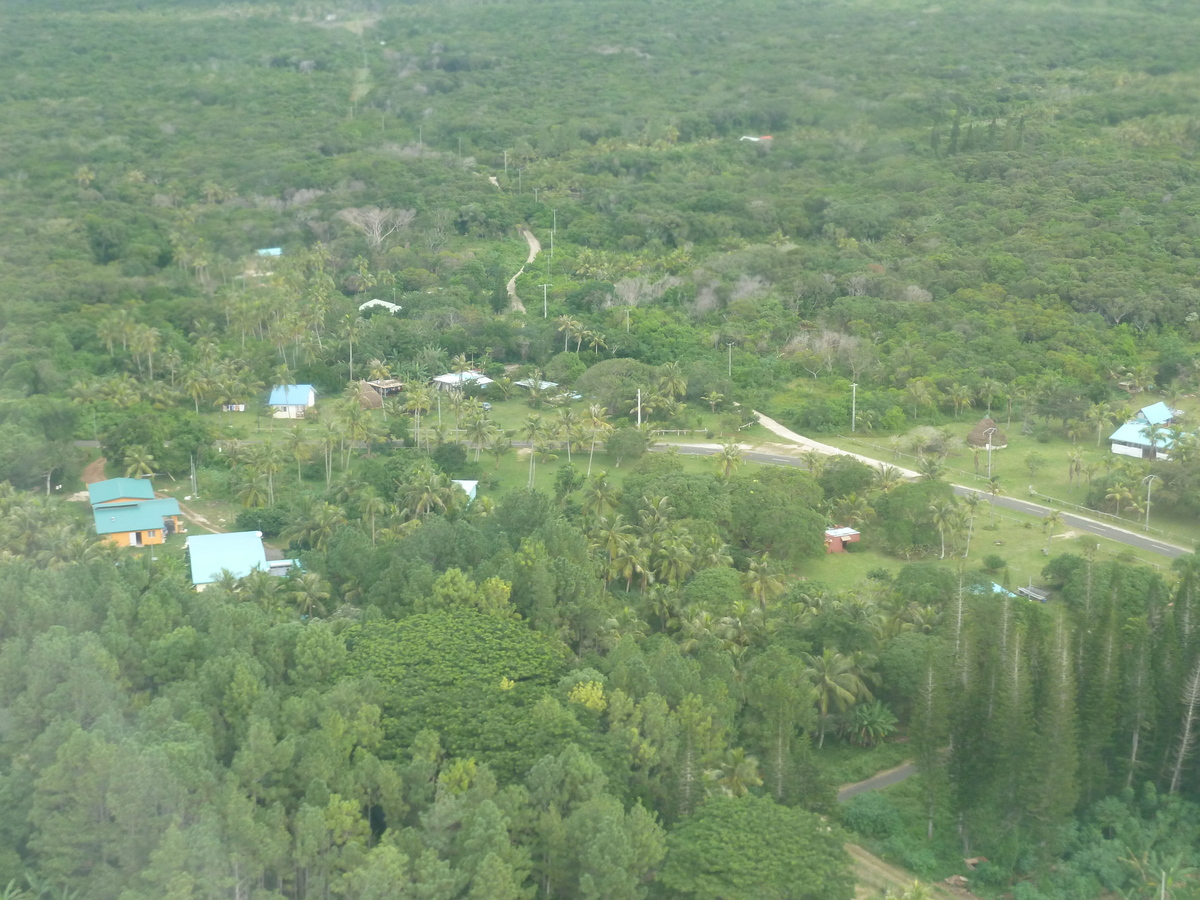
853, 407
729, 344
544, 287
554, 222
1149, 482
639, 407
987, 436
505, 162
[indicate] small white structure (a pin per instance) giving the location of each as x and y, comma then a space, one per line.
393, 308
470, 488
541, 385
291, 400
456, 381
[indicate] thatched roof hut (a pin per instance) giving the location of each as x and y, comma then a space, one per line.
369, 397
983, 434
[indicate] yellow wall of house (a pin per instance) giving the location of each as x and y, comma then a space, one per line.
149, 538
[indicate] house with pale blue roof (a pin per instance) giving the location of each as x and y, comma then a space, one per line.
290, 401
1145, 436
239, 553
1156, 414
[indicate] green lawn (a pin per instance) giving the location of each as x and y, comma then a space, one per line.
1011, 466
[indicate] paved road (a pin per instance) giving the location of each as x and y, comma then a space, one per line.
1079, 523
876, 782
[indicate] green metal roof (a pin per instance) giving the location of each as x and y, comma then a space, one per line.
241, 552
116, 488
143, 515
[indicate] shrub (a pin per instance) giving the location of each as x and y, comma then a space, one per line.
871, 815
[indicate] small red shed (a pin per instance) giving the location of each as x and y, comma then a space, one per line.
836, 539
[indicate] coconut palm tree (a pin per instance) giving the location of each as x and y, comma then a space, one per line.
569, 327
417, 401
838, 683
729, 457
309, 592
971, 501
713, 399
479, 432
372, 506
430, 490
994, 489
960, 396
499, 444
299, 448
942, 512
762, 581
672, 379
532, 430
887, 478
139, 462
597, 424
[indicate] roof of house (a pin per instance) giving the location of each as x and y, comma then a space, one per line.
271, 251
116, 488
393, 308
471, 487
1135, 433
980, 436
240, 552
542, 385
840, 532
471, 377
291, 395
369, 396
1156, 414
140, 515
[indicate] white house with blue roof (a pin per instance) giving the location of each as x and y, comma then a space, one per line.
290, 401
1145, 436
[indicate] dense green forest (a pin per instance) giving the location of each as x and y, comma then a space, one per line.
617, 682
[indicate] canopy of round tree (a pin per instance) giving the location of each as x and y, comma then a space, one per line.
752, 848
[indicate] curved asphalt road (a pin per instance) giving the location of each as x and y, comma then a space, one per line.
876, 782
1080, 523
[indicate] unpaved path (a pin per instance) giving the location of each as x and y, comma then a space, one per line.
808, 444
535, 247
94, 471
192, 516
874, 876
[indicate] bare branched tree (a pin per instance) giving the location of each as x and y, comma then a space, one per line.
376, 224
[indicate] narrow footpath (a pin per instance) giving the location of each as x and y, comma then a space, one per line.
535, 247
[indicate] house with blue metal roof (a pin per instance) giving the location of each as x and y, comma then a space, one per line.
1156, 414
120, 489
136, 523
1146, 436
291, 400
239, 553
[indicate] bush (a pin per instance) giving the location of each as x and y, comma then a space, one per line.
270, 521
872, 815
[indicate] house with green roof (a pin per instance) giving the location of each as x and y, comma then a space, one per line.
120, 489
136, 523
